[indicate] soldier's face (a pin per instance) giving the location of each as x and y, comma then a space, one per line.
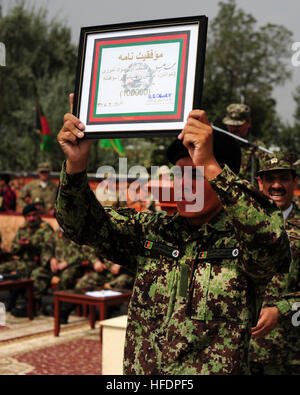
210, 202
240, 131
32, 218
44, 175
279, 186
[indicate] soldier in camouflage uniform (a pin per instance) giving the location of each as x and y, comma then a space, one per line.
33, 246
43, 188
98, 275
194, 298
65, 263
238, 122
105, 274
279, 351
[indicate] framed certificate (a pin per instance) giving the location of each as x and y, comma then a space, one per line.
140, 79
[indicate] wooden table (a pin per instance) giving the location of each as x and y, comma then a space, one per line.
21, 284
91, 301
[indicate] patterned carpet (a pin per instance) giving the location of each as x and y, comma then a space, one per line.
30, 348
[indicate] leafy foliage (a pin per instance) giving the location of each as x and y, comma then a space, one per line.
289, 137
243, 64
41, 64
242, 61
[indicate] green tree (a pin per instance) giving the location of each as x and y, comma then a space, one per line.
242, 60
243, 63
289, 137
40, 64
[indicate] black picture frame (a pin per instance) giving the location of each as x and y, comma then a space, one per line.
145, 48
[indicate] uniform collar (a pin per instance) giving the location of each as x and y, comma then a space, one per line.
219, 223
294, 216
287, 211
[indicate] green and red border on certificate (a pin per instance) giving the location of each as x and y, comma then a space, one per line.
181, 37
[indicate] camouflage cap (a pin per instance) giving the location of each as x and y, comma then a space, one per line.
278, 161
237, 114
44, 166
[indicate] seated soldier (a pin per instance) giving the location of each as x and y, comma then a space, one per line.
104, 274
64, 270
121, 280
32, 248
65, 264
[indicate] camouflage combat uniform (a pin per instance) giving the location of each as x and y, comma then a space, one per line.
279, 351
36, 189
33, 256
63, 250
238, 114
194, 301
249, 154
93, 279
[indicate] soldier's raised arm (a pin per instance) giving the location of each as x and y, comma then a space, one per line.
70, 139
257, 221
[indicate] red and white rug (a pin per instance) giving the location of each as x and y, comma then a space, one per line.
76, 351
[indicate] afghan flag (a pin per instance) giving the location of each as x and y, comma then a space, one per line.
43, 128
114, 144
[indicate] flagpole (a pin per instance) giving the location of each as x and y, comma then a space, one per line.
245, 141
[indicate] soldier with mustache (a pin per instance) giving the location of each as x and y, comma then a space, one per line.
279, 351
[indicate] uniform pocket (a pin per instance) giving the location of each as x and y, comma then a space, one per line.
220, 293
152, 285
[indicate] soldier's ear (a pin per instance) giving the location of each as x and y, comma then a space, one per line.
260, 184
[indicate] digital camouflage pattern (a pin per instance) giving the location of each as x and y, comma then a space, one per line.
35, 189
93, 279
121, 282
44, 166
279, 351
72, 253
33, 256
278, 161
63, 249
237, 114
249, 155
194, 299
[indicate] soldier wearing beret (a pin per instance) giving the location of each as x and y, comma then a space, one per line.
43, 188
194, 298
238, 122
279, 351
32, 245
